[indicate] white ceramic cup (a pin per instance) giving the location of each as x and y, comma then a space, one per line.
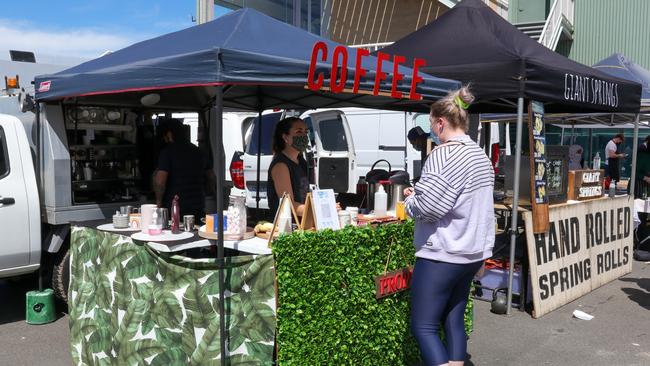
147, 212
354, 212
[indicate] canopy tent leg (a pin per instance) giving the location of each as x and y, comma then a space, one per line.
259, 162
635, 146
216, 142
515, 202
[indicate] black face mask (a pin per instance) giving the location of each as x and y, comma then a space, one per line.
300, 142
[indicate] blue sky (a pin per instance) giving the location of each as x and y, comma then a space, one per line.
69, 29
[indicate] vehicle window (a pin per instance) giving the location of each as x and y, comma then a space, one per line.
245, 131
310, 129
268, 126
422, 120
4, 157
332, 135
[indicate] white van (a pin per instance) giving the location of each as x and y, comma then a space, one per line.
331, 157
382, 135
344, 138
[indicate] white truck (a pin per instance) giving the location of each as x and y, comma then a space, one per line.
73, 163
26, 238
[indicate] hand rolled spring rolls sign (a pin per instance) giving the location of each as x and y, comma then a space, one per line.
339, 71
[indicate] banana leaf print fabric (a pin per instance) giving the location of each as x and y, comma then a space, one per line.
130, 305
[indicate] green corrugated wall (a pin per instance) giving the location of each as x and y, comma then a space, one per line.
603, 27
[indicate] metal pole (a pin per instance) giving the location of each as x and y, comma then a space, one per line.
573, 133
204, 11
39, 174
259, 162
591, 150
406, 158
635, 144
216, 139
515, 202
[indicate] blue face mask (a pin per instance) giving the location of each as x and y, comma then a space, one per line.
435, 138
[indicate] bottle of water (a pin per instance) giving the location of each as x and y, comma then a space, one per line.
612, 189
381, 202
596, 161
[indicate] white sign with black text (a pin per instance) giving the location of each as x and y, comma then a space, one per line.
588, 245
325, 209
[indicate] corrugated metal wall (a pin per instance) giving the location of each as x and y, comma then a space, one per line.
603, 27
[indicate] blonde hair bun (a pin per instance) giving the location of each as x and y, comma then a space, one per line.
454, 107
465, 95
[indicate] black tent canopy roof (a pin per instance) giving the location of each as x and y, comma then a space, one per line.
472, 43
262, 63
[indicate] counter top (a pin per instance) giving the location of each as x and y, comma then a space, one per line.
252, 246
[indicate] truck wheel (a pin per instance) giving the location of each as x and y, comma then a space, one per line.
61, 276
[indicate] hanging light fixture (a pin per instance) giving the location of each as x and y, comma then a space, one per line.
150, 99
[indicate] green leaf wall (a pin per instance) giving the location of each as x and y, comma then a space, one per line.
327, 311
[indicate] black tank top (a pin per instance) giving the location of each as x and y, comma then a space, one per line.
299, 175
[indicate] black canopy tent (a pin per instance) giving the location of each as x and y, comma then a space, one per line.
242, 61
472, 43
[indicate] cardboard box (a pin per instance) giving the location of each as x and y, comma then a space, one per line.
211, 222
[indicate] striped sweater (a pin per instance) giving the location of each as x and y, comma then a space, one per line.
453, 204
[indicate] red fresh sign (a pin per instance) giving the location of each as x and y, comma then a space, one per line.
339, 71
393, 282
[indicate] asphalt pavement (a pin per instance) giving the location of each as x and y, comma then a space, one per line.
22, 344
617, 335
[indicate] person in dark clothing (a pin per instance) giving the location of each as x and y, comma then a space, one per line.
288, 171
418, 139
642, 184
182, 170
613, 162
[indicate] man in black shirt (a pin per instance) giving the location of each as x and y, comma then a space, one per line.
182, 170
418, 139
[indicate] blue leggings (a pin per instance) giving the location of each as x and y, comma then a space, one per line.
439, 294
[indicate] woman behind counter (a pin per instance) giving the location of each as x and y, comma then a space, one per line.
288, 171
452, 205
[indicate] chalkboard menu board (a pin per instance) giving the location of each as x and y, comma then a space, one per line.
557, 173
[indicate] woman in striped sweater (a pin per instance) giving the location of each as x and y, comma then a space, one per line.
452, 206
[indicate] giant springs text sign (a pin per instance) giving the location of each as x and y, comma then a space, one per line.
588, 245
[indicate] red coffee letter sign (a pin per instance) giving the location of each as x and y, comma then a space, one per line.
381, 57
417, 63
319, 46
338, 87
358, 70
397, 60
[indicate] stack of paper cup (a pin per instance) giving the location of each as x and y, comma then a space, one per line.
354, 212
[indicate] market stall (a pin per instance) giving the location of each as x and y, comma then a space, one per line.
505, 67
241, 61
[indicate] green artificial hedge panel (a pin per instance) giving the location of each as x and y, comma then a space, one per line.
327, 310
